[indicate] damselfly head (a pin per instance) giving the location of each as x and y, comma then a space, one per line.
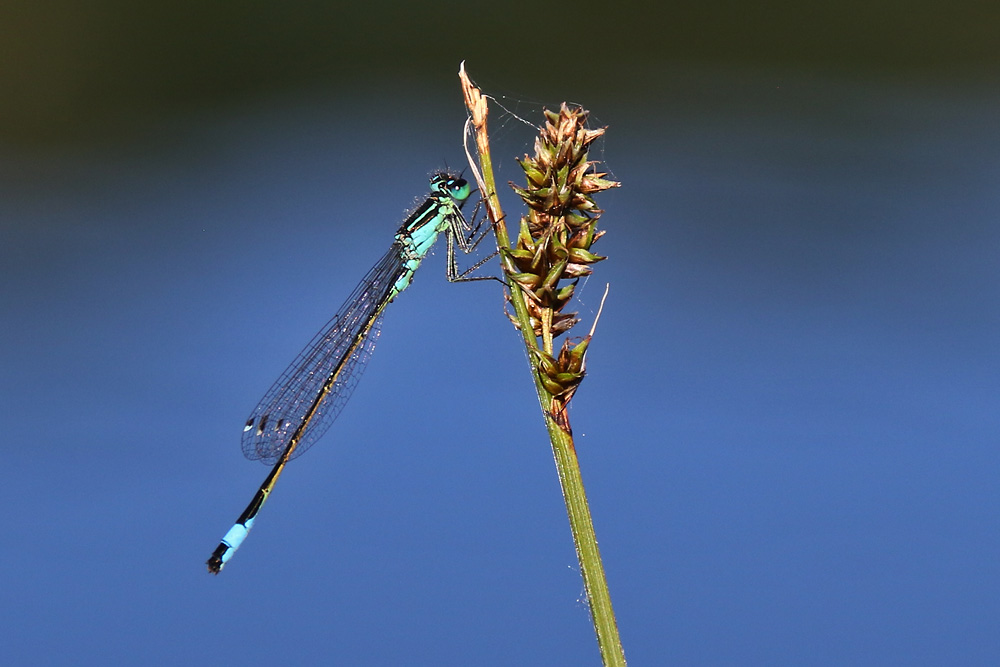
455, 187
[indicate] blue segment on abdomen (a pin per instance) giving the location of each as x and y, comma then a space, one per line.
234, 538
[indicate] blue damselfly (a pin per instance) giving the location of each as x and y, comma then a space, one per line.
305, 400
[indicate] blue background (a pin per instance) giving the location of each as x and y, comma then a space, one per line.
789, 428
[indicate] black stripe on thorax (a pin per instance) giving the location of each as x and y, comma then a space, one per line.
419, 217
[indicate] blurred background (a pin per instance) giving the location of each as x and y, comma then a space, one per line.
789, 429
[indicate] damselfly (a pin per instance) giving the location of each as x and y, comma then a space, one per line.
305, 400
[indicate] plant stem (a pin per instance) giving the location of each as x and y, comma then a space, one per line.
560, 434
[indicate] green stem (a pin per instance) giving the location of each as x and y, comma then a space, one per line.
591, 567
563, 450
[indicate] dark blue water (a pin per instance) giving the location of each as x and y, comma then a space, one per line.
789, 431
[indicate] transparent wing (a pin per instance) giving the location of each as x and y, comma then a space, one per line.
332, 354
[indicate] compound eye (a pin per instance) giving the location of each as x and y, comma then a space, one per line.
459, 188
